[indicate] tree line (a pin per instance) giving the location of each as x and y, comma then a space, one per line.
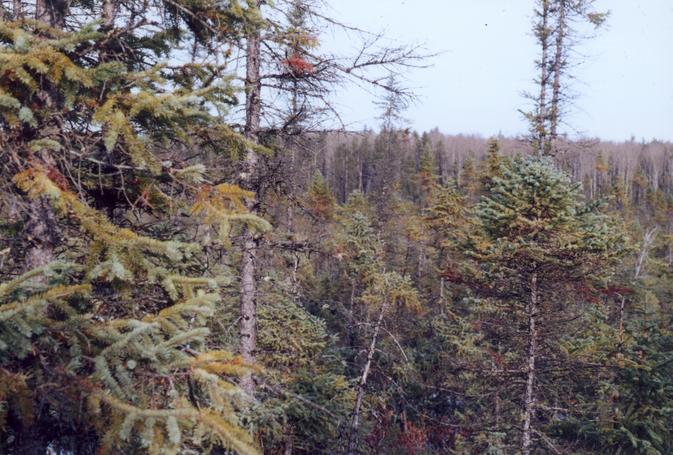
190, 264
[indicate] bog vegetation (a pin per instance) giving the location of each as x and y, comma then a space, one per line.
190, 264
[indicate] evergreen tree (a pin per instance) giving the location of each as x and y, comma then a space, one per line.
105, 338
534, 253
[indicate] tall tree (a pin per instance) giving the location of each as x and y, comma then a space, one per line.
285, 61
104, 336
253, 112
533, 251
557, 28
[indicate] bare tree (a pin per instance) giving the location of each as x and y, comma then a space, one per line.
557, 29
288, 84
539, 117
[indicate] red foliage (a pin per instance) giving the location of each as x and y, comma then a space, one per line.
58, 178
616, 291
144, 198
299, 66
453, 276
497, 358
414, 439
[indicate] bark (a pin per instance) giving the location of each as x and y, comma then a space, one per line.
441, 288
253, 108
529, 395
360, 168
40, 230
622, 306
109, 12
351, 316
17, 9
41, 226
648, 239
52, 12
288, 443
362, 385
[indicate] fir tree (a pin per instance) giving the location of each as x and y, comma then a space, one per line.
534, 253
107, 339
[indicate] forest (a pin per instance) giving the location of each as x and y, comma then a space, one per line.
198, 256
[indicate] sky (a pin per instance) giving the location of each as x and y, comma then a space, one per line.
623, 87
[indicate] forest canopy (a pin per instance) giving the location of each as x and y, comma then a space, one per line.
191, 263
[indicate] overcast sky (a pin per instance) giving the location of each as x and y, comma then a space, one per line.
624, 87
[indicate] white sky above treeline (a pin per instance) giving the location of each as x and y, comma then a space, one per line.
624, 87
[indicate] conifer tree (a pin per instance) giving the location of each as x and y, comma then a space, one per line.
556, 34
106, 342
373, 288
534, 252
286, 62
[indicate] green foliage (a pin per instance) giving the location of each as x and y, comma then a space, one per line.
633, 409
115, 168
109, 340
534, 212
531, 232
107, 359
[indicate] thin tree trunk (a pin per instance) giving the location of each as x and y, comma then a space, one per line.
557, 69
441, 288
17, 9
344, 191
360, 170
290, 211
362, 386
622, 306
648, 239
52, 12
253, 109
543, 37
351, 316
288, 444
109, 12
529, 396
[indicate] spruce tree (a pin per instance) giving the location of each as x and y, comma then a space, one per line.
106, 341
533, 254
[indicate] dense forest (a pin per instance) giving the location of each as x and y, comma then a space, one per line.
191, 263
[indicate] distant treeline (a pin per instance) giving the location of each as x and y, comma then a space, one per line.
634, 172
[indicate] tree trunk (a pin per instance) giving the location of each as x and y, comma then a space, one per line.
648, 239
622, 307
109, 12
529, 396
17, 9
557, 69
52, 12
355, 420
288, 444
253, 109
41, 234
541, 115
41, 220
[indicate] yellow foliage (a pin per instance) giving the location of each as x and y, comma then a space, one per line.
224, 203
228, 434
222, 363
